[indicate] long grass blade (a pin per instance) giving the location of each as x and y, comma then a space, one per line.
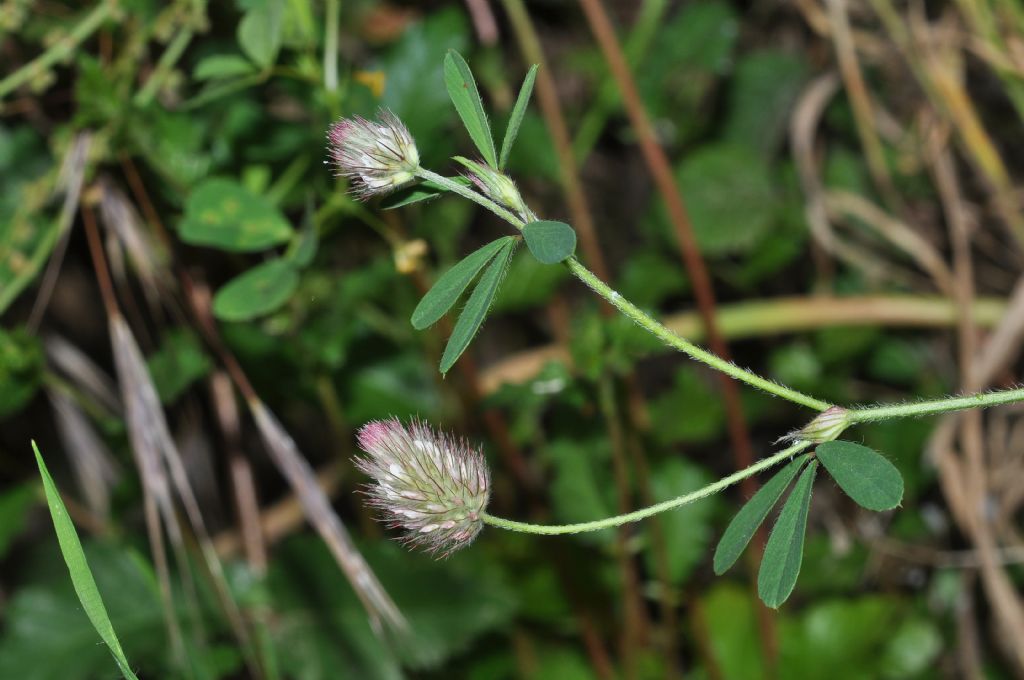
78, 567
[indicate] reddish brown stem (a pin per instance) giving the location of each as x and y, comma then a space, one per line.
661, 171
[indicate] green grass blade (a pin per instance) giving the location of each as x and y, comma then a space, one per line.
863, 474
744, 525
447, 289
785, 550
475, 311
81, 576
462, 90
518, 111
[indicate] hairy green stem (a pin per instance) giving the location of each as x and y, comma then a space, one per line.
935, 406
637, 515
58, 50
643, 319
468, 193
652, 326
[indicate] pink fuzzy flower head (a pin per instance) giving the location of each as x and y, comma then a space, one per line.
377, 156
431, 485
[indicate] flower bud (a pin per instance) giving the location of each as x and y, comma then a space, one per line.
431, 485
495, 185
376, 156
828, 425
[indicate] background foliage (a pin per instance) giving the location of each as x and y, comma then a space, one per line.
849, 170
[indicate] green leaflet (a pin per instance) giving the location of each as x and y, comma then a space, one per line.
81, 576
550, 242
462, 90
257, 292
475, 311
447, 289
780, 565
518, 111
744, 525
863, 474
221, 213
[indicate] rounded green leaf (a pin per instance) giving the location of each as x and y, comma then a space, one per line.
784, 552
258, 291
744, 525
223, 214
444, 293
475, 311
259, 32
863, 474
550, 242
730, 196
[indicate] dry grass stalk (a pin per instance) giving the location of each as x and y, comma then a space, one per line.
325, 520
82, 372
69, 183
93, 465
148, 258
158, 455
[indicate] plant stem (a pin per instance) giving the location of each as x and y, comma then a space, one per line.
653, 326
58, 50
668, 337
640, 317
163, 68
935, 406
637, 515
333, 17
468, 193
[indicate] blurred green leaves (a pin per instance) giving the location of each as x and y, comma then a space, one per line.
322, 627
256, 292
686, 530
414, 88
21, 369
259, 32
730, 197
221, 213
178, 363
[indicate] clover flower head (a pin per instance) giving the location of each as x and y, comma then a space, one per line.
428, 483
377, 156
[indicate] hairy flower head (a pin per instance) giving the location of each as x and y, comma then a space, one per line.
428, 483
377, 156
